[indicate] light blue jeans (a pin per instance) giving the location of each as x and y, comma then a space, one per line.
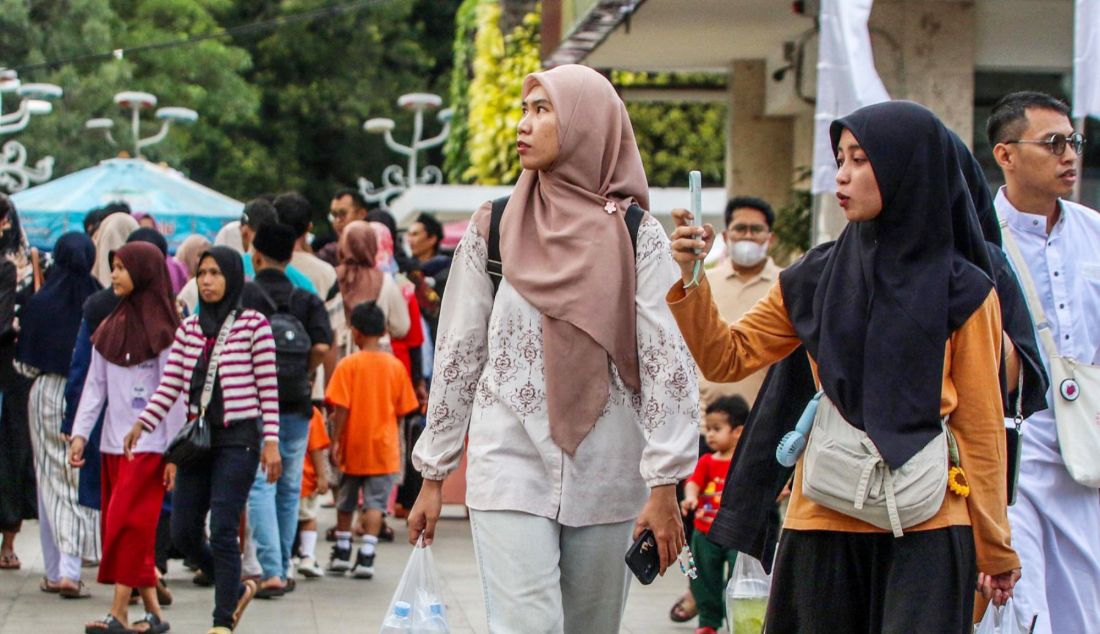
273, 506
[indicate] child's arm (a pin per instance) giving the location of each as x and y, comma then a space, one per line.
318, 458
339, 420
691, 497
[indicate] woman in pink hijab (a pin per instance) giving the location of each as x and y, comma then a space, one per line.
571, 380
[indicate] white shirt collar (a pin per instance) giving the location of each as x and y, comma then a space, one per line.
1023, 221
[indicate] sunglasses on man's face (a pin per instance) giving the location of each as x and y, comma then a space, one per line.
1058, 142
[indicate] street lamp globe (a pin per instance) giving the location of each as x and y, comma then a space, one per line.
379, 125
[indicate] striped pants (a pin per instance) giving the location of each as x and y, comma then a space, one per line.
72, 529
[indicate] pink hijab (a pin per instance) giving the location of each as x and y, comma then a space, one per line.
566, 249
357, 274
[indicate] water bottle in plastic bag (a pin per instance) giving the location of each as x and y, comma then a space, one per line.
418, 597
747, 596
398, 620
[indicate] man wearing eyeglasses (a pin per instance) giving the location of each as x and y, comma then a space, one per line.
1056, 520
737, 283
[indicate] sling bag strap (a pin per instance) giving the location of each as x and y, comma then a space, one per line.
634, 216
215, 358
1031, 295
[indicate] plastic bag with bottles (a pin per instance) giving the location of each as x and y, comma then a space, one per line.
417, 604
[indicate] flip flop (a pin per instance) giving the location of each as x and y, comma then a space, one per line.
48, 588
155, 625
680, 614
242, 603
108, 624
10, 561
79, 592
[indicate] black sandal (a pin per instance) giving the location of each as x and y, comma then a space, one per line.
156, 626
110, 624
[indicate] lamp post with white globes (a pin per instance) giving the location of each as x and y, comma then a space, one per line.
396, 180
15, 174
136, 102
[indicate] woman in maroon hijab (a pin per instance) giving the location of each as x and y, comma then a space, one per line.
572, 380
130, 353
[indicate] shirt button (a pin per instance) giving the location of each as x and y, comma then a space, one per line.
1056, 274
1067, 337
1061, 305
1035, 222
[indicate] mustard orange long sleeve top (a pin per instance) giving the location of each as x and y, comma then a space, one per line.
971, 398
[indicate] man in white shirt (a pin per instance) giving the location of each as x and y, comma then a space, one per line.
1055, 521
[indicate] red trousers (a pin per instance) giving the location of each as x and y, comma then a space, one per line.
133, 491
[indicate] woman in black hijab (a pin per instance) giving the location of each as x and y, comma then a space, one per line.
244, 426
50, 321
908, 277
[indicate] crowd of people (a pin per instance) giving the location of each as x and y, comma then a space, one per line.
203, 405
116, 349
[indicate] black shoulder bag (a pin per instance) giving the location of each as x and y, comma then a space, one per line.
192, 443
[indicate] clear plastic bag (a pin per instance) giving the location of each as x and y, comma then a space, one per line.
417, 604
1002, 620
747, 596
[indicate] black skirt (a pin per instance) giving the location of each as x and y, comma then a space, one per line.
828, 582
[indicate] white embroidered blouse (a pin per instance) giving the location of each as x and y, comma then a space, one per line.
489, 383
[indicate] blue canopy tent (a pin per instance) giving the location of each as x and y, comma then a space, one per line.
181, 206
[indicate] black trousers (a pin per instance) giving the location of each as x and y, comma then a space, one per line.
219, 484
828, 582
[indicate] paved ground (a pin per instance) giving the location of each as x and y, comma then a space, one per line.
327, 605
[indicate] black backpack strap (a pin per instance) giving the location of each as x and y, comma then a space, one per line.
494, 266
634, 217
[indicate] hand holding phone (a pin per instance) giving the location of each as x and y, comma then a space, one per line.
643, 559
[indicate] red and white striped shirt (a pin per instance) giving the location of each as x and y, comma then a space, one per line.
246, 371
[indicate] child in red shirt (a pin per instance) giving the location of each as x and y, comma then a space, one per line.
703, 495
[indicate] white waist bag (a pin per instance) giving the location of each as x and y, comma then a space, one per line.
1076, 385
842, 470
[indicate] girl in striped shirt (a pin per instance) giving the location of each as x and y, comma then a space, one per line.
243, 415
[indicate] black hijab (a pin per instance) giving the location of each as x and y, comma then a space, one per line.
51, 319
212, 316
876, 307
1015, 317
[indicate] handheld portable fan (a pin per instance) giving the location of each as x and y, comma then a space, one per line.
794, 442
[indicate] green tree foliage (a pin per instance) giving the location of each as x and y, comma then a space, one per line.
280, 107
207, 76
486, 85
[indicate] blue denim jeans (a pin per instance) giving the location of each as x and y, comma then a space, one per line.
273, 506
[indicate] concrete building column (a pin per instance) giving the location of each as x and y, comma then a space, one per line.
759, 148
924, 51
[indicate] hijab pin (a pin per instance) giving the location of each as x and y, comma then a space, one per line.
610, 207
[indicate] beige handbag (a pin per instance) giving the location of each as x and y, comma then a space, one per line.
842, 470
1076, 385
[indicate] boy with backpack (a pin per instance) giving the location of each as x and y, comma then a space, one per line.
369, 392
300, 326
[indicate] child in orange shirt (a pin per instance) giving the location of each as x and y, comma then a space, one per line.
369, 391
314, 484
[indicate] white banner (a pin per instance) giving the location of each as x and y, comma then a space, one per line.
1086, 59
846, 78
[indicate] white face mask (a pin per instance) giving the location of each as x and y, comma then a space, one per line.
746, 252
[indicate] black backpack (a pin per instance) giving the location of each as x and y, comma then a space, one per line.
634, 217
292, 346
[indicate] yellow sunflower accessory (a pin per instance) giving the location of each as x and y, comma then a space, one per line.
956, 477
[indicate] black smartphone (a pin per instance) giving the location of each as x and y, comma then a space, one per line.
643, 559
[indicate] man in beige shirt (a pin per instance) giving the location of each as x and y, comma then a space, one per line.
742, 279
